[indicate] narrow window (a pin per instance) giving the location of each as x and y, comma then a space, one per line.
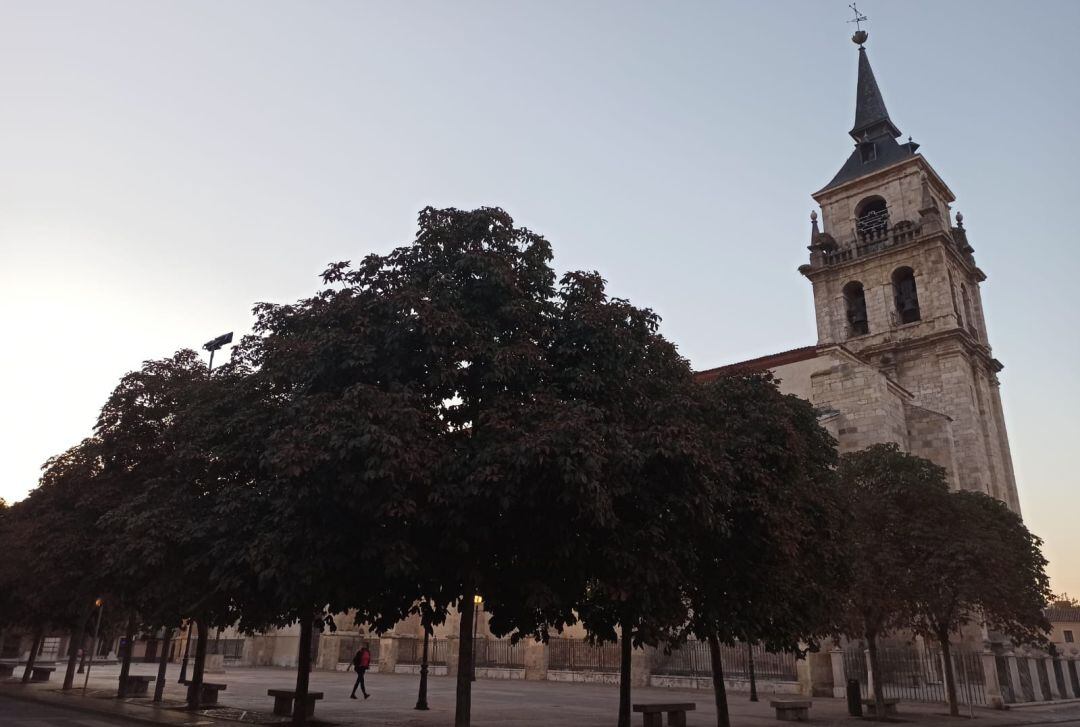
967, 310
872, 218
1068, 636
868, 151
855, 302
907, 298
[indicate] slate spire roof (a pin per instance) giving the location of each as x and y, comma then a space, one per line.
874, 132
871, 116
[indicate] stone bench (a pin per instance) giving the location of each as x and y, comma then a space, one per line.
284, 698
791, 710
7, 668
652, 715
209, 691
41, 673
137, 686
890, 706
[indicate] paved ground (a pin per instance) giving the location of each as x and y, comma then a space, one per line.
25, 714
495, 703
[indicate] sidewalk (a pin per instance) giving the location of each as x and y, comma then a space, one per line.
495, 703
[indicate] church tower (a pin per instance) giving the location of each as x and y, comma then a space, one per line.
897, 295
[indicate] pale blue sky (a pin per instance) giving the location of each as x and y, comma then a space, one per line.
163, 165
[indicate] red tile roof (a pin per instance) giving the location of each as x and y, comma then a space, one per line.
763, 363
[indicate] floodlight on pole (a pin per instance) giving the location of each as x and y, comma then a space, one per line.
215, 345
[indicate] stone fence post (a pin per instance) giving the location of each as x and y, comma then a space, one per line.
535, 660
839, 676
388, 654
1014, 676
1055, 691
1070, 693
1036, 683
453, 651
992, 685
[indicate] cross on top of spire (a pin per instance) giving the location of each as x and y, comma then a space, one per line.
860, 35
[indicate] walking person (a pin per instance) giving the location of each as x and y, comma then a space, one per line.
361, 663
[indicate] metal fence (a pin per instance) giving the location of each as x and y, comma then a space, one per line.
918, 675
580, 655
693, 659
349, 644
498, 653
411, 650
230, 649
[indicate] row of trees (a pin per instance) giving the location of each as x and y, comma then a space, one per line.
449, 420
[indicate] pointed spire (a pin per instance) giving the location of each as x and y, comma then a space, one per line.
871, 116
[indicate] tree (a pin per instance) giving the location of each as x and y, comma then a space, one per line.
159, 524
53, 583
656, 479
319, 465
771, 569
976, 561
889, 493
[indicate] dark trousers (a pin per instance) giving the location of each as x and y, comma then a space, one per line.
360, 680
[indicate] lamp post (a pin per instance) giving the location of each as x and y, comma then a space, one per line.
100, 603
750, 662
478, 601
187, 647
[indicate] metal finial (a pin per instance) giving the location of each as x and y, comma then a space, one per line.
860, 35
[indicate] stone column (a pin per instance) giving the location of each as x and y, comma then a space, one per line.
1036, 683
535, 660
1070, 693
1055, 691
839, 677
992, 686
388, 653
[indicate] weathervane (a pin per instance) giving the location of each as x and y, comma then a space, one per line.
860, 34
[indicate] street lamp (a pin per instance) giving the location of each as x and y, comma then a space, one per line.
421, 698
100, 605
187, 647
478, 601
214, 345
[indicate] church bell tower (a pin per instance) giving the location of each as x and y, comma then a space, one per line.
896, 288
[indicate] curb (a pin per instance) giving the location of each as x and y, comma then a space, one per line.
85, 706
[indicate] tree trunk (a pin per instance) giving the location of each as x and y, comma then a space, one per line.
163, 660
875, 672
421, 697
39, 633
125, 662
463, 708
950, 678
303, 673
78, 643
626, 649
723, 719
194, 695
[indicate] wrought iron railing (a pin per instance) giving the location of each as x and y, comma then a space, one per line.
693, 659
349, 644
498, 653
411, 650
917, 675
580, 655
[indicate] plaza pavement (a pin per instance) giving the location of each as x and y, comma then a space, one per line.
495, 702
